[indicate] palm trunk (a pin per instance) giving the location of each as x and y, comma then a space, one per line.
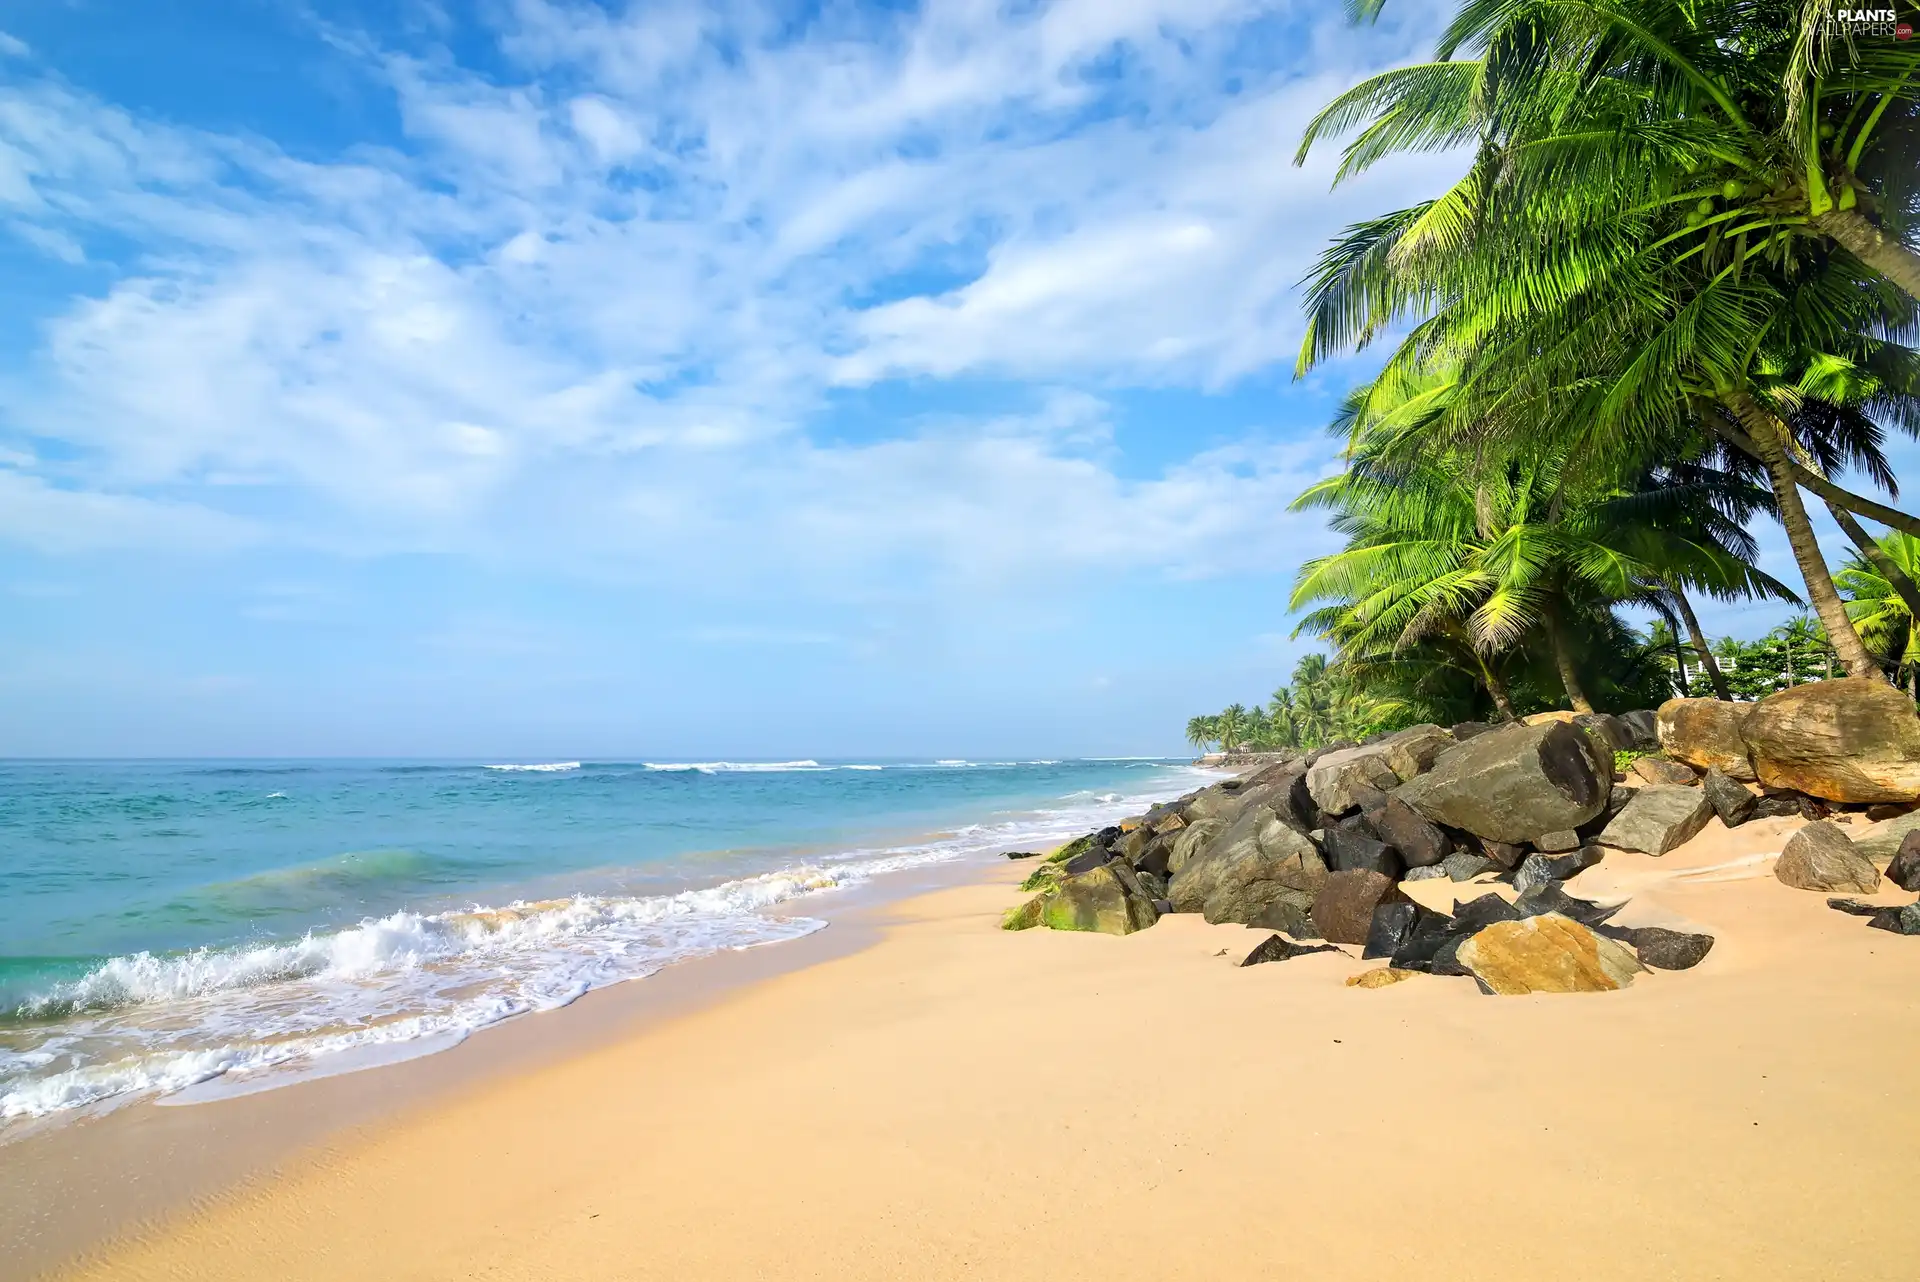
1806, 549
1563, 660
1870, 548
1502, 700
1838, 499
1873, 247
1699, 637
1680, 666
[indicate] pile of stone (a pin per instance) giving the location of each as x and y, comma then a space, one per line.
1316, 849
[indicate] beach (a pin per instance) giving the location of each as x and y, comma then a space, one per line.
948, 1100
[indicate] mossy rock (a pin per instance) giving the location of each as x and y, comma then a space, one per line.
1096, 900
1078, 846
1045, 877
1026, 916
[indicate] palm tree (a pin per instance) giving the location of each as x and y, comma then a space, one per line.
1283, 717
1661, 637
1230, 727
1201, 732
1885, 621
1313, 693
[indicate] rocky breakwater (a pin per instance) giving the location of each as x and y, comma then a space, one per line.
1318, 849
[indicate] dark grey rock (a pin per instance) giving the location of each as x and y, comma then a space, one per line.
1534, 872
1163, 906
1553, 898
1888, 810
1513, 784
1643, 725
1729, 797
1465, 866
1277, 948
1292, 915
1465, 730
1392, 927
1904, 920
1023, 854
1658, 819
1350, 846
1904, 871
1343, 911
1480, 913
1087, 861
1419, 840
1665, 949
1852, 906
1784, 807
1504, 853
1257, 860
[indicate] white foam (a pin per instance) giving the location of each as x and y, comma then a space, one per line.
724, 767
550, 767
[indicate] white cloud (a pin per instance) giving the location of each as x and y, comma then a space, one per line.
601, 319
12, 46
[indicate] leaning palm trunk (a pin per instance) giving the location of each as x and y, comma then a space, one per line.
1563, 660
1821, 593
1699, 638
1870, 548
1873, 247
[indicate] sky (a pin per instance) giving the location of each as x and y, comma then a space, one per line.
537, 377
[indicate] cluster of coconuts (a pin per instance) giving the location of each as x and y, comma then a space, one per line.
1733, 189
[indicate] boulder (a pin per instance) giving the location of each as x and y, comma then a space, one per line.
1380, 977
1464, 730
1607, 732
1350, 844
1026, 916
1155, 856
1856, 739
1706, 733
1664, 949
1903, 920
1478, 914
1275, 948
1419, 840
1291, 913
1193, 839
1658, 819
1884, 842
1643, 729
1334, 780
1552, 717
1549, 954
1393, 925
1537, 871
1512, 785
1256, 861
1086, 861
1729, 797
1504, 854
1904, 871
1657, 771
1819, 857
1888, 810
1553, 898
1099, 900
1343, 912
1464, 865
1413, 751
1558, 843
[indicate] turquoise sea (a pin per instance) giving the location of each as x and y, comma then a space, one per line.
167, 925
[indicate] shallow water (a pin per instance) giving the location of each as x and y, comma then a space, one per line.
164, 924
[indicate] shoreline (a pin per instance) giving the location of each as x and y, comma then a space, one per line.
949, 1100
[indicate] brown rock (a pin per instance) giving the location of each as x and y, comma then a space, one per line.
1820, 857
1384, 977
1343, 911
1653, 770
1856, 739
1547, 954
1706, 733
1558, 716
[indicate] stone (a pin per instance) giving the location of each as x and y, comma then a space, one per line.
1343, 912
1854, 907
1729, 798
1553, 716
1706, 733
1820, 857
1549, 954
1155, 856
1275, 948
1193, 839
1380, 977
1152, 885
1783, 807
1534, 872
1251, 864
1643, 728
1658, 819
1413, 751
1558, 843
1855, 739
1553, 898
1023, 854
1078, 846
1884, 842
1607, 732
1658, 770
1098, 900
1425, 874
1904, 920
1291, 914
1512, 785
1888, 810
1349, 845
1419, 840
1904, 870
1134, 844
1334, 780
1464, 730
1026, 916
1391, 928
1464, 865
1503, 853
1663, 949
1086, 861
1478, 914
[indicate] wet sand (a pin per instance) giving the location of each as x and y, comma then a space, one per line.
953, 1101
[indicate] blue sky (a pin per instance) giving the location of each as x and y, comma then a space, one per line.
540, 377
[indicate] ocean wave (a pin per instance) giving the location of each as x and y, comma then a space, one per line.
744, 767
550, 767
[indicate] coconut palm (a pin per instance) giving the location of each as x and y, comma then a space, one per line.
1230, 727
1885, 621
1201, 732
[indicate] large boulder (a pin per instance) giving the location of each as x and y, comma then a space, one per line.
1664, 949
1881, 844
1337, 780
1190, 841
1904, 870
1419, 840
1413, 751
1547, 954
1642, 727
1706, 733
1512, 785
1100, 900
1730, 798
1658, 819
1351, 844
1856, 739
1609, 733
1343, 912
1257, 861
1820, 857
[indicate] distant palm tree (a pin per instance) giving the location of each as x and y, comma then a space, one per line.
1284, 718
1885, 623
1200, 732
1230, 727
1662, 637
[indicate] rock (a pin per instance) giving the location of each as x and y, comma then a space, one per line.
1023, 854
1502, 853
1045, 877
1643, 729
1854, 739
1193, 839
1819, 857
1888, 810
1478, 914
1904, 871
1152, 885
1275, 949
1292, 914
1853, 906
1425, 874
1349, 845
1706, 733
1728, 797
1078, 846
1664, 949
1463, 865
1904, 920
1334, 780
1367, 797
1464, 730
1256, 861
1785, 807
1026, 916
1607, 732
1884, 842
1534, 872
1658, 819
1553, 898
1555, 716
1086, 861
1512, 785
1391, 928
1382, 977
1134, 844
1413, 751
1557, 843
1156, 856
1655, 770
1419, 840
1343, 912
1548, 954
1098, 900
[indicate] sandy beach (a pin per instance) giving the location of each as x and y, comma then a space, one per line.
953, 1101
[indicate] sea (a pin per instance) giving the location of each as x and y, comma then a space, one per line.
184, 929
